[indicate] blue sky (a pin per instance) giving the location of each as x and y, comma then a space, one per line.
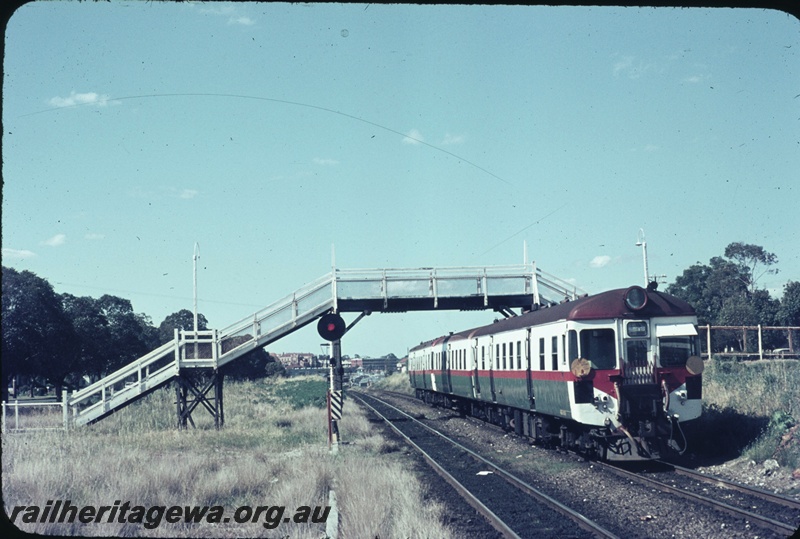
406, 136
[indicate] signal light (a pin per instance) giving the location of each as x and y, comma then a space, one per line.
331, 327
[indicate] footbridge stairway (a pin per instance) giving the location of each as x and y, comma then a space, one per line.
373, 290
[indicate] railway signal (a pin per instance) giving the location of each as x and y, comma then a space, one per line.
331, 327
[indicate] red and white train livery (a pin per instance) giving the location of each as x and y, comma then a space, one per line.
614, 374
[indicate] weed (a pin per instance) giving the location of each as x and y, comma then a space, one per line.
396, 382
271, 451
750, 408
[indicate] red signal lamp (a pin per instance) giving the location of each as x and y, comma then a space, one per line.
331, 327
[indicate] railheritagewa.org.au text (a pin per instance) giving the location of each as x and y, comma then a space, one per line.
63, 511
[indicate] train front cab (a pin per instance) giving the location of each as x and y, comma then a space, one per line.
643, 378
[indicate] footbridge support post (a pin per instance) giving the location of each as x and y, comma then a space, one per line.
195, 387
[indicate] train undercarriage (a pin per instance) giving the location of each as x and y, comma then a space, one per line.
644, 438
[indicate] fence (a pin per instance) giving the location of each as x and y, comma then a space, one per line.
750, 342
35, 415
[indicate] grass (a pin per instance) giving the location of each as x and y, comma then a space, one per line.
396, 382
272, 451
751, 409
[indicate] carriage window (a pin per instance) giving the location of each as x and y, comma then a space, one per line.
636, 351
504, 356
541, 354
483, 358
598, 346
674, 351
573, 345
554, 352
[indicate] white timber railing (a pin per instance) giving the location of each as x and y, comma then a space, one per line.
339, 291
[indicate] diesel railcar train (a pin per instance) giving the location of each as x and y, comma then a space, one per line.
612, 375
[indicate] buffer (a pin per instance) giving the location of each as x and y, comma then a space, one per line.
500, 288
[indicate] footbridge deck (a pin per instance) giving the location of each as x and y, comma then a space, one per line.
371, 290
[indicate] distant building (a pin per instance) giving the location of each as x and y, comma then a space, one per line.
296, 360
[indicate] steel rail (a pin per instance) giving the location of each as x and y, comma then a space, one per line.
583, 522
774, 525
470, 498
733, 485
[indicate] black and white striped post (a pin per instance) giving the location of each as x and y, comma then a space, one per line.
331, 327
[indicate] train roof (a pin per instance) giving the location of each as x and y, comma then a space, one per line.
610, 304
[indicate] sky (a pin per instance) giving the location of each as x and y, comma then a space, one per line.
283, 138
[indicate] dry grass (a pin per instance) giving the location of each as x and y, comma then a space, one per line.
396, 382
758, 388
750, 408
269, 453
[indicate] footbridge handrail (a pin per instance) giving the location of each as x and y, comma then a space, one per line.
341, 290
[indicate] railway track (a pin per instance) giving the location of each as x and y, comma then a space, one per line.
741, 511
777, 499
515, 508
773, 512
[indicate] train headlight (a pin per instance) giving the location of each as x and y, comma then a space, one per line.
635, 298
580, 367
695, 365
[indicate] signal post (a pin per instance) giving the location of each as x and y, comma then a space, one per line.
335, 393
331, 327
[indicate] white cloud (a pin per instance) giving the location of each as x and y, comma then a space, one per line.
244, 21
189, 193
600, 261
413, 137
231, 13
453, 139
55, 241
94, 236
80, 99
18, 254
622, 65
634, 68
325, 162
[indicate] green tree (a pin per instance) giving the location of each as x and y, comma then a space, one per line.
132, 334
708, 287
749, 257
724, 292
183, 319
93, 332
753, 309
254, 365
789, 311
38, 339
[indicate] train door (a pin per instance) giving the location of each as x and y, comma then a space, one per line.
639, 366
433, 370
476, 383
528, 361
492, 356
447, 385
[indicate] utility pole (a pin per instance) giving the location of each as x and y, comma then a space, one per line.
194, 281
640, 242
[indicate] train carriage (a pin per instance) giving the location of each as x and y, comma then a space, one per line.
614, 374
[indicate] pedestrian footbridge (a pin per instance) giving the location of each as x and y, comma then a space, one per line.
500, 288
